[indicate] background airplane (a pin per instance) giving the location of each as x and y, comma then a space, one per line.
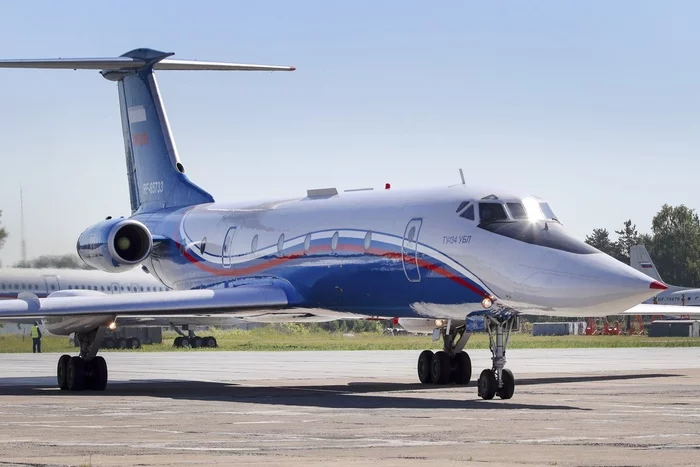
441, 254
673, 295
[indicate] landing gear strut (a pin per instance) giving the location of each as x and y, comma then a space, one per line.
192, 340
450, 365
86, 371
498, 380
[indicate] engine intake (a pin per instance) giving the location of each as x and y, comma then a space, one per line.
115, 245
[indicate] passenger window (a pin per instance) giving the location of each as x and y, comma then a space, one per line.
3, 286
517, 210
254, 244
468, 213
490, 212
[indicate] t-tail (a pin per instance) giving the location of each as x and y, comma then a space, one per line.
156, 176
641, 261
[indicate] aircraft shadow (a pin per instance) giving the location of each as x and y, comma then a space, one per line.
354, 395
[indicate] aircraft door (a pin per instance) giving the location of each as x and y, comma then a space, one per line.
51, 284
227, 248
114, 288
409, 250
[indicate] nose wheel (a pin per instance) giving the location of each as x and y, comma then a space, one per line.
498, 381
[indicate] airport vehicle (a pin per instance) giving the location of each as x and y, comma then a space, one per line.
439, 254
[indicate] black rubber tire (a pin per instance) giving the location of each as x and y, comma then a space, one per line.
508, 388
62, 372
76, 374
96, 374
196, 342
425, 361
122, 343
134, 343
210, 341
441, 368
178, 342
487, 385
462, 368
108, 343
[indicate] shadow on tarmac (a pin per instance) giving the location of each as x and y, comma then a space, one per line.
354, 395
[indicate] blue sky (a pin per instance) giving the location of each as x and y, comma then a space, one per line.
593, 105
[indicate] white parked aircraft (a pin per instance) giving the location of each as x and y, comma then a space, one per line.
674, 295
439, 254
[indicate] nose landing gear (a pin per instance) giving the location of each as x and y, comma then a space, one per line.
498, 381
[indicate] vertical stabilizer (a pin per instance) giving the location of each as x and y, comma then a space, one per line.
156, 176
641, 261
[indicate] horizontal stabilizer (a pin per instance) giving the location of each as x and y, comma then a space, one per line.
128, 63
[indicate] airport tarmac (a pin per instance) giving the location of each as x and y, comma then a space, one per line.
571, 407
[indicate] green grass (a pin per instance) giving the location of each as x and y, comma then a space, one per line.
267, 339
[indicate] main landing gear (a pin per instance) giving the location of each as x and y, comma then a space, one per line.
192, 340
86, 371
450, 365
498, 381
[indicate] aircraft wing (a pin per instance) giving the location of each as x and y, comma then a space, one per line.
252, 298
252, 302
670, 310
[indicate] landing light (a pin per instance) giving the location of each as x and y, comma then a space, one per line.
486, 302
112, 326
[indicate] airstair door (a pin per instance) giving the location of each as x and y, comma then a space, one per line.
409, 250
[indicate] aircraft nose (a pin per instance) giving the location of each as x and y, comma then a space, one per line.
589, 285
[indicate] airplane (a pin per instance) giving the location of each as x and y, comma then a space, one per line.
440, 254
673, 295
44, 281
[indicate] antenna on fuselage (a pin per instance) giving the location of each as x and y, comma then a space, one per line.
461, 174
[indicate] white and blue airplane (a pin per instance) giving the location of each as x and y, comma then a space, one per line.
673, 295
436, 255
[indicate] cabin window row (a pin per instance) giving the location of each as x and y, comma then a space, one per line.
100, 288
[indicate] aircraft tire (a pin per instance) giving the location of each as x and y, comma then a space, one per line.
462, 364
62, 372
97, 374
425, 360
76, 374
178, 342
441, 368
506, 392
210, 341
487, 385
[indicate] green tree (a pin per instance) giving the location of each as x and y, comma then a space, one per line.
626, 237
676, 245
600, 239
3, 233
54, 261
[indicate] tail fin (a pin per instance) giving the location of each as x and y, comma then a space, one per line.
156, 176
641, 261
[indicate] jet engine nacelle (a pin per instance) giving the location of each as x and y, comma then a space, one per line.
115, 245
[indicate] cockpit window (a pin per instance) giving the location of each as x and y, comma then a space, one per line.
468, 213
462, 205
517, 210
491, 212
547, 211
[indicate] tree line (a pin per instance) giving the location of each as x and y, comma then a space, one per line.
673, 244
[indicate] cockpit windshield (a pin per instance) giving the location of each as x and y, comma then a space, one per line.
539, 210
491, 212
